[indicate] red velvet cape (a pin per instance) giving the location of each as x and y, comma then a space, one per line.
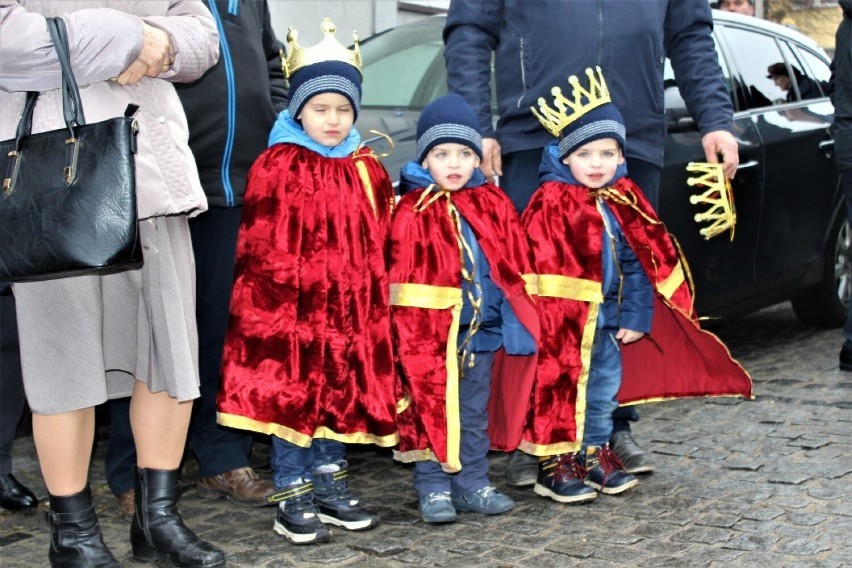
308, 353
426, 301
677, 359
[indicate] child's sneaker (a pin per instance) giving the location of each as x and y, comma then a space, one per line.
334, 501
487, 501
437, 508
605, 471
561, 478
297, 517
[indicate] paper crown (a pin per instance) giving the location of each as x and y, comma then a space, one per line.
567, 110
718, 197
328, 49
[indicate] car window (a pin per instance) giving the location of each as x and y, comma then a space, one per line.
403, 70
674, 103
805, 86
754, 54
816, 67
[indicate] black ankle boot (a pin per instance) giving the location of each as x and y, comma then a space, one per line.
157, 529
75, 536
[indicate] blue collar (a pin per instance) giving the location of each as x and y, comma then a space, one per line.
288, 130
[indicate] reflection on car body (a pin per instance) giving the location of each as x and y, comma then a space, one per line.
792, 237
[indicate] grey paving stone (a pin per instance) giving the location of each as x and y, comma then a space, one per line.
751, 541
705, 535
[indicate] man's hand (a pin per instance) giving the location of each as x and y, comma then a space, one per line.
492, 163
722, 142
628, 335
155, 58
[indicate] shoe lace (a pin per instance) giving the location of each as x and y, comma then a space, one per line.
568, 467
486, 491
439, 496
609, 461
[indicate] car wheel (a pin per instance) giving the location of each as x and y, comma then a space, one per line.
827, 303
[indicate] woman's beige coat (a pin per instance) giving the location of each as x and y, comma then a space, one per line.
104, 37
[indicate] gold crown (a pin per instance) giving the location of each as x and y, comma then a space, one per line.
584, 101
718, 197
328, 49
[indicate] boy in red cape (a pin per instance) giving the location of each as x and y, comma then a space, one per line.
308, 356
613, 299
464, 322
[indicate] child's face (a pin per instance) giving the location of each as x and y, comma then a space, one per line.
451, 165
594, 164
327, 118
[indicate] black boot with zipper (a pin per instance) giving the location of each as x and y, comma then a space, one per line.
157, 529
75, 535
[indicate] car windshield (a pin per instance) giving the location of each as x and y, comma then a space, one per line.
404, 70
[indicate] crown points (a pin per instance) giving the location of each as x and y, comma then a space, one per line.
581, 102
328, 49
717, 197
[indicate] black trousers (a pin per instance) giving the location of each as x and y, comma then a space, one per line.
11, 381
217, 449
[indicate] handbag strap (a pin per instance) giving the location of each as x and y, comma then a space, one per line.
72, 108
71, 105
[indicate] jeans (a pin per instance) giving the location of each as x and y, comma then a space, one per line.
602, 388
293, 464
474, 392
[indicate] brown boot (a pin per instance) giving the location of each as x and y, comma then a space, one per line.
241, 486
124, 502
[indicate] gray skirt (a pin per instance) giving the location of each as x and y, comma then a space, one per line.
85, 339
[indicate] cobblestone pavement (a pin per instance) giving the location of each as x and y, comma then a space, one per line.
739, 483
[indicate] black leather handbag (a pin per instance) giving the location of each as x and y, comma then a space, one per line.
68, 205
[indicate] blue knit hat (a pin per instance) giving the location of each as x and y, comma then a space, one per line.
447, 119
324, 77
601, 122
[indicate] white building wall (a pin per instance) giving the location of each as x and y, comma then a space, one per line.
368, 17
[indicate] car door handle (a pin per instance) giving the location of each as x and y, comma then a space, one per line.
747, 165
827, 147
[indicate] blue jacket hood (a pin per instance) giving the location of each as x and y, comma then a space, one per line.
288, 130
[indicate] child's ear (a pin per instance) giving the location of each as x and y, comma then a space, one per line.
423, 164
567, 160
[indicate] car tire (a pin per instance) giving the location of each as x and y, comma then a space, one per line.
826, 303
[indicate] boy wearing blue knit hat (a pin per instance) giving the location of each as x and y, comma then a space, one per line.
309, 356
464, 320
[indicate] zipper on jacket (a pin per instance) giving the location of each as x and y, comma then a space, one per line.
225, 54
523, 76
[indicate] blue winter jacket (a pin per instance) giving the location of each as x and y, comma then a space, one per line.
538, 44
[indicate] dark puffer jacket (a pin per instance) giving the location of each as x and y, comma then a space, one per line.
840, 89
231, 108
539, 44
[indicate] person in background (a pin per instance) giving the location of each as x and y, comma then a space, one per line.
537, 45
87, 339
780, 74
458, 358
840, 91
230, 111
308, 354
14, 496
744, 7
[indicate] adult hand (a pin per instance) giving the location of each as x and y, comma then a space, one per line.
628, 335
155, 58
722, 142
492, 163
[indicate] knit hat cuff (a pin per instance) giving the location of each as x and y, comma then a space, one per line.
324, 84
448, 133
592, 131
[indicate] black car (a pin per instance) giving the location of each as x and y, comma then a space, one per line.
792, 238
